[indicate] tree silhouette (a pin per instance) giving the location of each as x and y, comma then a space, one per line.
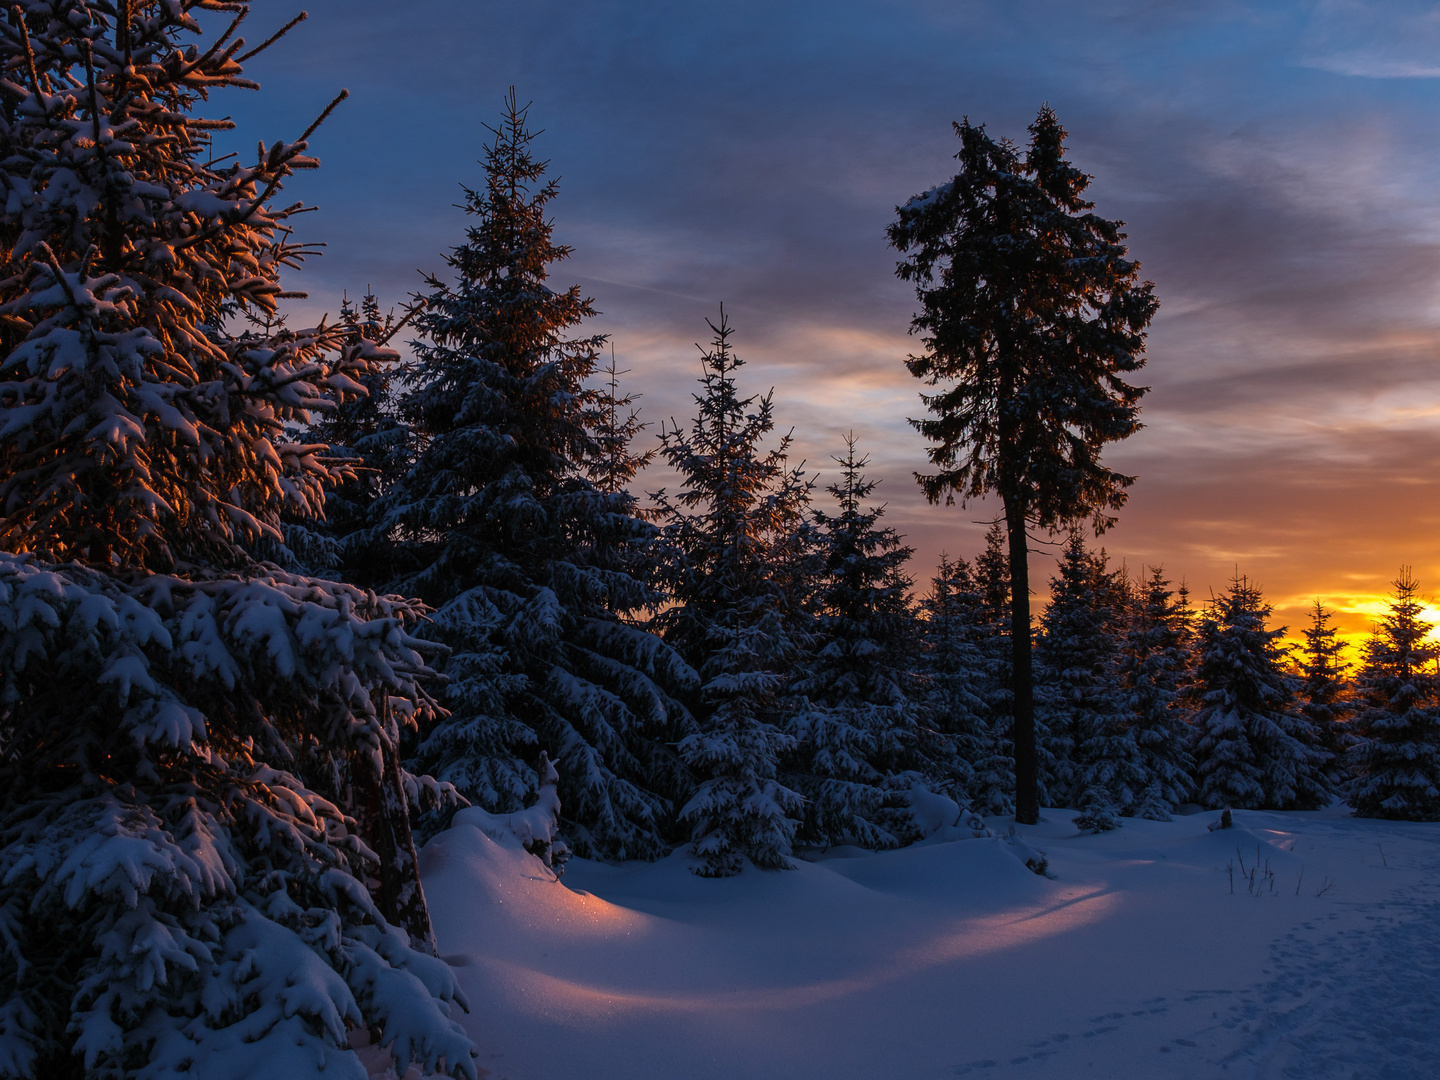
1031, 316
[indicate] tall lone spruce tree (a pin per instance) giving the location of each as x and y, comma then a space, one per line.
528, 562
1031, 317
199, 765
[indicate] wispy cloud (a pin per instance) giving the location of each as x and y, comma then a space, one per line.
1370, 66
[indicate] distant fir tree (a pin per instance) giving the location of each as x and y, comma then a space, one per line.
203, 824
1254, 749
1032, 317
729, 535
528, 562
952, 634
616, 425
367, 434
1154, 668
993, 787
1326, 693
1396, 757
863, 737
1085, 735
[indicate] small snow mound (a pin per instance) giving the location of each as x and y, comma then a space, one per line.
932, 812
492, 894
940, 819
532, 829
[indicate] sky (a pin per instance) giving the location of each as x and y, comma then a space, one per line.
1275, 163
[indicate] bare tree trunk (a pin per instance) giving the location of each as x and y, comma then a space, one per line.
1022, 679
400, 897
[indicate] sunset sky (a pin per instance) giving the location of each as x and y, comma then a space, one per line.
1276, 164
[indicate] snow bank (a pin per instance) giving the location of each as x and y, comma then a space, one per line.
1147, 953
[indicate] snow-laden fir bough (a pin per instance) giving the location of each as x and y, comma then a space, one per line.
205, 862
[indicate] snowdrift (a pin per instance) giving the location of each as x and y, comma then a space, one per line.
1156, 950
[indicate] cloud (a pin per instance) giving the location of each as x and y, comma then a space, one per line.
1369, 66
752, 153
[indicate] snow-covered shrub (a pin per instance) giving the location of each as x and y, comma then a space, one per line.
1098, 815
535, 828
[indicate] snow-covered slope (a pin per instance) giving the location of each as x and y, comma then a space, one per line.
1135, 959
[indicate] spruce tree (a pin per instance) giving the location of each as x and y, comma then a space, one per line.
952, 664
368, 435
730, 541
1396, 757
993, 788
616, 425
1326, 693
863, 738
199, 766
530, 565
1254, 749
1032, 317
1154, 666
1087, 739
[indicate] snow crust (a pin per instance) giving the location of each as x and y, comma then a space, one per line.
1133, 959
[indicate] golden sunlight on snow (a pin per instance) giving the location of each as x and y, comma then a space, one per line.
577, 1003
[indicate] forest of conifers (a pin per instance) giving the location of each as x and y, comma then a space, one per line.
275, 601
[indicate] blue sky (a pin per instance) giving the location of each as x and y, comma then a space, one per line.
1276, 164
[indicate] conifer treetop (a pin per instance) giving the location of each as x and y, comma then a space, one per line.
500, 401
616, 424
1032, 316
747, 498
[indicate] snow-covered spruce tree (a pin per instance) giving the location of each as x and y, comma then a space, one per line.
992, 790
952, 663
1154, 666
863, 736
613, 469
529, 563
1396, 757
616, 426
1077, 709
1326, 694
176, 899
1253, 747
367, 433
729, 535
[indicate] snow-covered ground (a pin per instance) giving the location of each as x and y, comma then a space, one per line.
1147, 953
